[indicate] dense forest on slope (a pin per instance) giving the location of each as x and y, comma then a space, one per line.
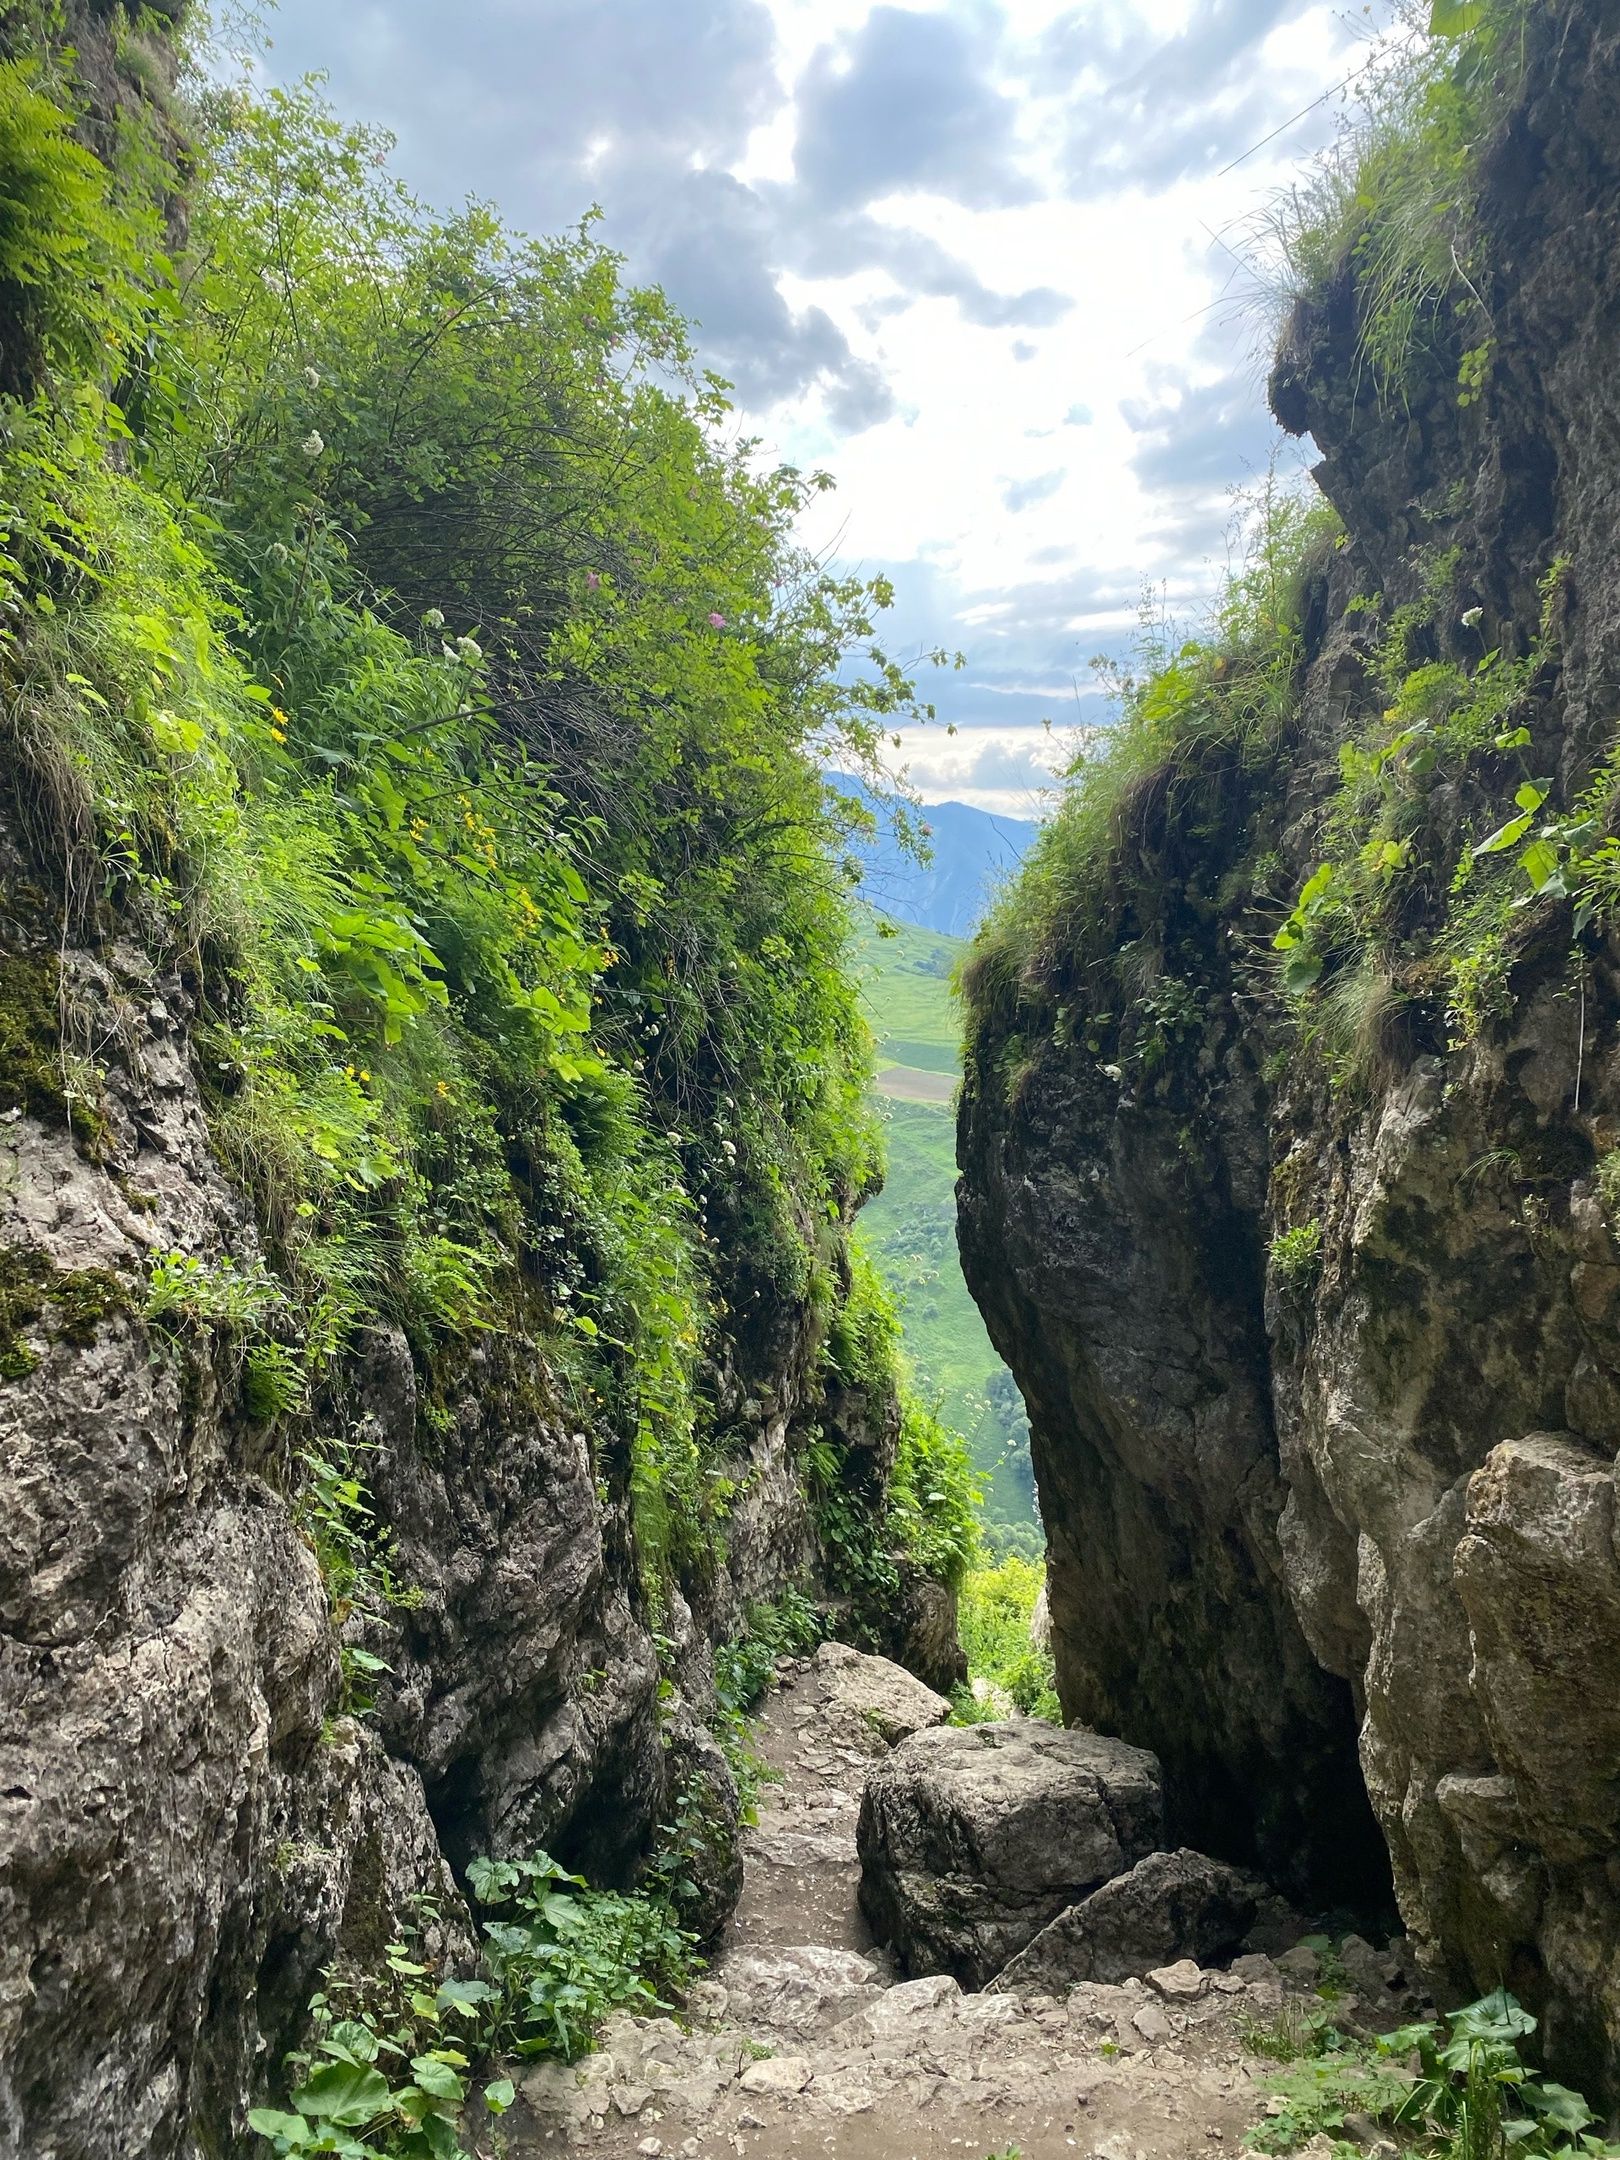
1290, 1124
434, 1093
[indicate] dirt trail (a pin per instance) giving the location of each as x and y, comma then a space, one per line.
801, 2044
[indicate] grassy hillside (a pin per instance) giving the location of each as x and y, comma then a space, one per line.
912, 1226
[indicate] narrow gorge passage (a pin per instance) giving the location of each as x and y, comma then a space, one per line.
803, 2042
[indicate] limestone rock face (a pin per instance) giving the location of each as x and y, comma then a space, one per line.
191, 1825
972, 1838
1171, 1907
873, 1699
1332, 1522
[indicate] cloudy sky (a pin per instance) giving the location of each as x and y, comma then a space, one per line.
983, 259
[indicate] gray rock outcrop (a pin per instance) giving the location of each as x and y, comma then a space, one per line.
1171, 1906
871, 1700
1320, 1334
973, 1838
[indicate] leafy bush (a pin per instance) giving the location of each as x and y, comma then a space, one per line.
994, 1614
392, 2060
569, 1955
1459, 2090
1296, 1255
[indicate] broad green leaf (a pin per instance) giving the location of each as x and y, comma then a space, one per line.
1301, 972
178, 736
1497, 2016
1529, 796
342, 2093
436, 2078
439, 2138
465, 1995
1558, 2106
1455, 18
271, 2122
498, 2097
1505, 836
351, 2041
1539, 862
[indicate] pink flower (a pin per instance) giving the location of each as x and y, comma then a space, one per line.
717, 622
592, 581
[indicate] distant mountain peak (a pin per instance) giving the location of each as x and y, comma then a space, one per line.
973, 850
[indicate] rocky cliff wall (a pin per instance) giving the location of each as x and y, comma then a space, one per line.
1313, 1292
300, 1615
197, 1810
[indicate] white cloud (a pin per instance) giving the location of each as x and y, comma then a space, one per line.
963, 253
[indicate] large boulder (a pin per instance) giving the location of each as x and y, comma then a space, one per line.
972, 1838
1171, 1905
872, 1703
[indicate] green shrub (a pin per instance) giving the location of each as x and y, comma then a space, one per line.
392, 2061
1458, 2090
994, 1613
1296, 1255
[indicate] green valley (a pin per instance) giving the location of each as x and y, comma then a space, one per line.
911, 1227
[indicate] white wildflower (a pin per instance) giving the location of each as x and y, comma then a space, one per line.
313, 444
312, 376
433, 619
1472, 616
469, 649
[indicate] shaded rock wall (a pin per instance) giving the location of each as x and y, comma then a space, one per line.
191, 1826
1365, 1510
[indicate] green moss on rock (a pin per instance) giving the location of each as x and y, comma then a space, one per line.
66, 1304
32, 1075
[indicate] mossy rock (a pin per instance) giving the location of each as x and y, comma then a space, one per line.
70, 1303
31, 1074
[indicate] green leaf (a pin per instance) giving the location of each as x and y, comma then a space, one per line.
440, 2139
343, 2093
272, 2123
351, 2041
1559, 2107
1505, 836
499, 2096
1539, 862
1455, 18
1497, 2016
179, 737
1529, 796
437, 2078
1301, 972
465, 1995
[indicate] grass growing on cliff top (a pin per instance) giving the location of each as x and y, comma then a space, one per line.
1393, 203
1196, 714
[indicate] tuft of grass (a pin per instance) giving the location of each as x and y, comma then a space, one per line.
1392, 204
1200, 718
